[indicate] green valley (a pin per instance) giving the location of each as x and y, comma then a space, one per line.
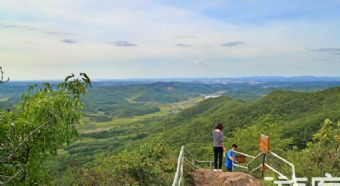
131, 133
291, 119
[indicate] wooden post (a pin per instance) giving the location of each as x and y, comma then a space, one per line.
264, 149
263, 164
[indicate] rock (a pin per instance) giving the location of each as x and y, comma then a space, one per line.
204, 177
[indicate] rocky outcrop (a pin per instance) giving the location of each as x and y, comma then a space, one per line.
204, 177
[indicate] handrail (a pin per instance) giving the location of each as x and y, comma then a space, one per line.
191, 163
276, 171
290, 164
199, 161
180, 163
253, 159
293, 178
179, 171
244, 154
181, 160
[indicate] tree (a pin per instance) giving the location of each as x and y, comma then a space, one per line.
41, 123
150, 164
323, 154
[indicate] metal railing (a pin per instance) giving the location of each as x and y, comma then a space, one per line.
194, 163
293, 179
281, 175
246, 155
179, 171
182, 158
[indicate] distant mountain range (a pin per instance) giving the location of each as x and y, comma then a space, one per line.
203, 79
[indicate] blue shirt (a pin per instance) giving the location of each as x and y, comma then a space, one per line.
228, 162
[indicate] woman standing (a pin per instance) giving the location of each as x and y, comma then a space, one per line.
218, 146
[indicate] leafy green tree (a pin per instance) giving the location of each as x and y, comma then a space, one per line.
150, 164
42, 122
322, 155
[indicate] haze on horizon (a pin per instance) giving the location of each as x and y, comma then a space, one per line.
163, 39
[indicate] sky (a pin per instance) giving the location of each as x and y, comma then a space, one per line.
109, 39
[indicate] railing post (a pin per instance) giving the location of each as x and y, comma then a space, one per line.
263, 164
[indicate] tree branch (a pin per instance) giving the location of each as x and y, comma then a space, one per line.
11, 154
9, 178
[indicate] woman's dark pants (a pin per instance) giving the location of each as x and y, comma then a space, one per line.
218, 155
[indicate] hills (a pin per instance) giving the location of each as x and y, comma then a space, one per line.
291, 119
127, 124
124, 98
295, 115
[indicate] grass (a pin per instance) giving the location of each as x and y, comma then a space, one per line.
119, 133
165, 110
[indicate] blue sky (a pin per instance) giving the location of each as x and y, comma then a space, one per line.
157, 39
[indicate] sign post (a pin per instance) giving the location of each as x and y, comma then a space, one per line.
264, 149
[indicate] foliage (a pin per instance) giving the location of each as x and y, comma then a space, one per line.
40, 124
119, 149
105, 152
322, 155
295, 115
289, 118
121, 98
150, 164
133, 100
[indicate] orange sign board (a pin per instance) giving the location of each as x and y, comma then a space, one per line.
264, 143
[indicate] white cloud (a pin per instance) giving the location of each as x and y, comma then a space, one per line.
156, 29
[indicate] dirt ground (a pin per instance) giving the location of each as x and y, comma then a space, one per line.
205, 177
